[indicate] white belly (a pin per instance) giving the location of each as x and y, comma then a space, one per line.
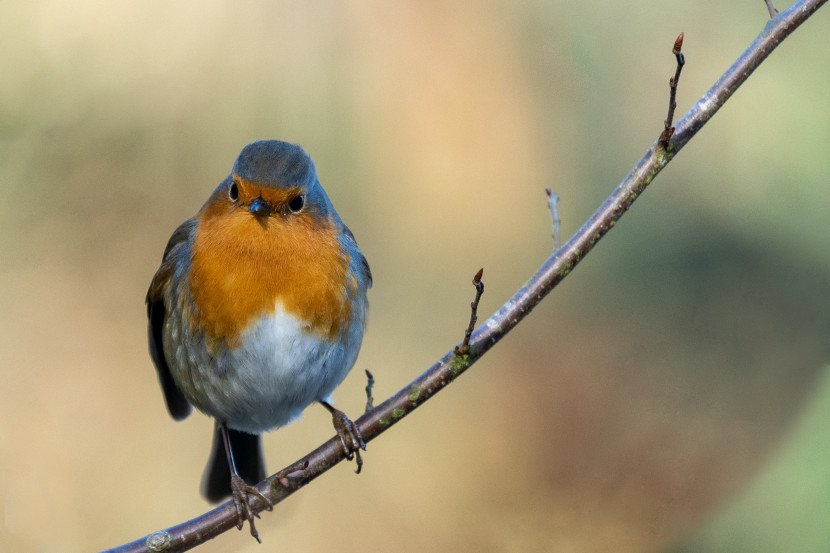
279, 370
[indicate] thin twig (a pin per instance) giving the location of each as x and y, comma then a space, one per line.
772, 11
553, 202
464, 348
668, 130
284, 476
189, 534
370, 384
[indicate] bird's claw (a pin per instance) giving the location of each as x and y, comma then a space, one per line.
241, 490
350, 437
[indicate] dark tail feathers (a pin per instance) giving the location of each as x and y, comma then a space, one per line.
247, 454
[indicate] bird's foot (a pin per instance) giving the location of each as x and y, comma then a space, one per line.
241, 490
350, 437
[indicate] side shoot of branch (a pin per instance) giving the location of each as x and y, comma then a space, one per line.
553, 206
464, 348
668, 130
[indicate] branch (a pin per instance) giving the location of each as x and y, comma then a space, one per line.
373, 423
464, 348
370, 384
553, 202
668, 130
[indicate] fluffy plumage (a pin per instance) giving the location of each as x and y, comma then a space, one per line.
259, 306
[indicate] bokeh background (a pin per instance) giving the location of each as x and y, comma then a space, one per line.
672, 395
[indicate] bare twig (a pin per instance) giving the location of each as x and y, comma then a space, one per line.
284, 476
772, 11
370, 384
553, 202
464, 348
668, 130
187, 535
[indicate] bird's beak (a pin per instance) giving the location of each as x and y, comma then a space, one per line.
260, 207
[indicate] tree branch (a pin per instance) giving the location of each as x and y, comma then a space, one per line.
668, 130
464, 348
553, 202
373, 423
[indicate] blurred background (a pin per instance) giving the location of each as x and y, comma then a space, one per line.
672, 395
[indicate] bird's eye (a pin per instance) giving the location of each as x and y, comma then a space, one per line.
296, 204
233, 192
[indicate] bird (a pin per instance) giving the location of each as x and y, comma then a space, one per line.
258, 310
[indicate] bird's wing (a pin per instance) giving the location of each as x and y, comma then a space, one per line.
364, 265
177, 404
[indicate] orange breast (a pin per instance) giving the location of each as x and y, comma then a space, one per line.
244, 268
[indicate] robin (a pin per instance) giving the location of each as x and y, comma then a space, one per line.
257, 311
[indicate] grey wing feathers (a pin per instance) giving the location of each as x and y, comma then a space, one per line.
364, 265
177, 404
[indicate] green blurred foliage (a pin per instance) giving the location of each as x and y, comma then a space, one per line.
787, 506
670, 392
